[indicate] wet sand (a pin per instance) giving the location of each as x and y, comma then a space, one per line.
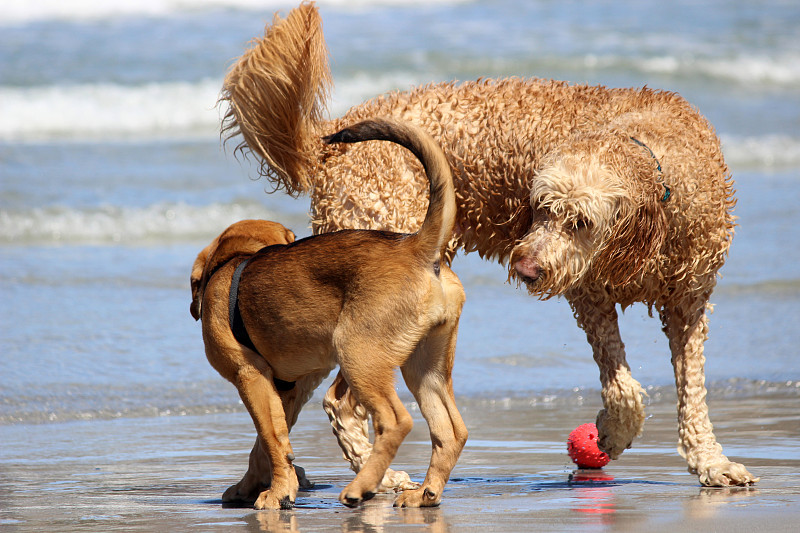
168, 473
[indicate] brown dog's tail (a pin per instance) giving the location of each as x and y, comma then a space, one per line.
276, 93
437, 227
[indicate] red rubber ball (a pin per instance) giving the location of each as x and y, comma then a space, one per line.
583, 450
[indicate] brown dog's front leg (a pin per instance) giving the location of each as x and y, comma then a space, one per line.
349, 421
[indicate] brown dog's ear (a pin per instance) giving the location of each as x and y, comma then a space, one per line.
289, 235
196, 279
636, 239
194, 307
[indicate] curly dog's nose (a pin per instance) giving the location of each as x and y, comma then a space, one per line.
528, 268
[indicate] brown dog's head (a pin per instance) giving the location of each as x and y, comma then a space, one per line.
596, 216
241, 238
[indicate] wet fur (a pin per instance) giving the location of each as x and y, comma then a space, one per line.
548, 180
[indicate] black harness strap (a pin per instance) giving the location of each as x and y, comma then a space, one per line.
237, 324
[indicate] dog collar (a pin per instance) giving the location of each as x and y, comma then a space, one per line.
660, 179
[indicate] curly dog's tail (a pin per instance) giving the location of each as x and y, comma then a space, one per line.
276, 93
437, 227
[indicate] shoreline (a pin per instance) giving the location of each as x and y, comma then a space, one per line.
166, 473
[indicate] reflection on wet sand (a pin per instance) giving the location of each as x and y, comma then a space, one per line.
374, 516
595, 493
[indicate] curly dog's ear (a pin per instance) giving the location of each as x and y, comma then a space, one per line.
636, 239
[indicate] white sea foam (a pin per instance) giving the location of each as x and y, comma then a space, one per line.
363, 85
20, 12
103, 110
113, 224
163, 110
781, 70
769, 152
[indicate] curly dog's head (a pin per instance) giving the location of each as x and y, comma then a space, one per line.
596, 216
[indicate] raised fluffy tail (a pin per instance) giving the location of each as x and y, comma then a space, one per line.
276, 93
437, 227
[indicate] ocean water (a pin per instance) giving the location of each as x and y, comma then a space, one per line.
112, 178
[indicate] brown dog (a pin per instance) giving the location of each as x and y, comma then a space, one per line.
369, 301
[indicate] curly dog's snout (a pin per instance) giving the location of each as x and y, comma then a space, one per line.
528, 269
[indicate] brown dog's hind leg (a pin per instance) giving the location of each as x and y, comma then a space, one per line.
622, 418
687, 330
428, 376
349, 421
259, 475
371, 377
262, 401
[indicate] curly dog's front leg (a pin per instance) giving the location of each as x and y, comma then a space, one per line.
622, 418
350, 426
687, 330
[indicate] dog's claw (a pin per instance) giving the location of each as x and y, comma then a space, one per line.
349, 501
354, 501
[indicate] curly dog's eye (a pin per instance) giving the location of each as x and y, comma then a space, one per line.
579, 224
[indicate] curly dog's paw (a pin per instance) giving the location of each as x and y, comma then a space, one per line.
613, 436
422, 497
397, 480
725, 473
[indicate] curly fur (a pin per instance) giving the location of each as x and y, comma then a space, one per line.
548, 180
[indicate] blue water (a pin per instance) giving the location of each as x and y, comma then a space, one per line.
112, 178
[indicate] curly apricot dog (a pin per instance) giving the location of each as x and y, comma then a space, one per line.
605, 196
369, 301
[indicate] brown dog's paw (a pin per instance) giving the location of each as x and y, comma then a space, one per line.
241, 492
302, 480
273, 500
423, 497
352, 498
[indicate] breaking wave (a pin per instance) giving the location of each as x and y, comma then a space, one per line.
113, 224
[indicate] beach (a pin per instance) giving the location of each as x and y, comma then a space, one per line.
113, 178
168, 473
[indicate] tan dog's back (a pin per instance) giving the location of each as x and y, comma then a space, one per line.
300, 301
